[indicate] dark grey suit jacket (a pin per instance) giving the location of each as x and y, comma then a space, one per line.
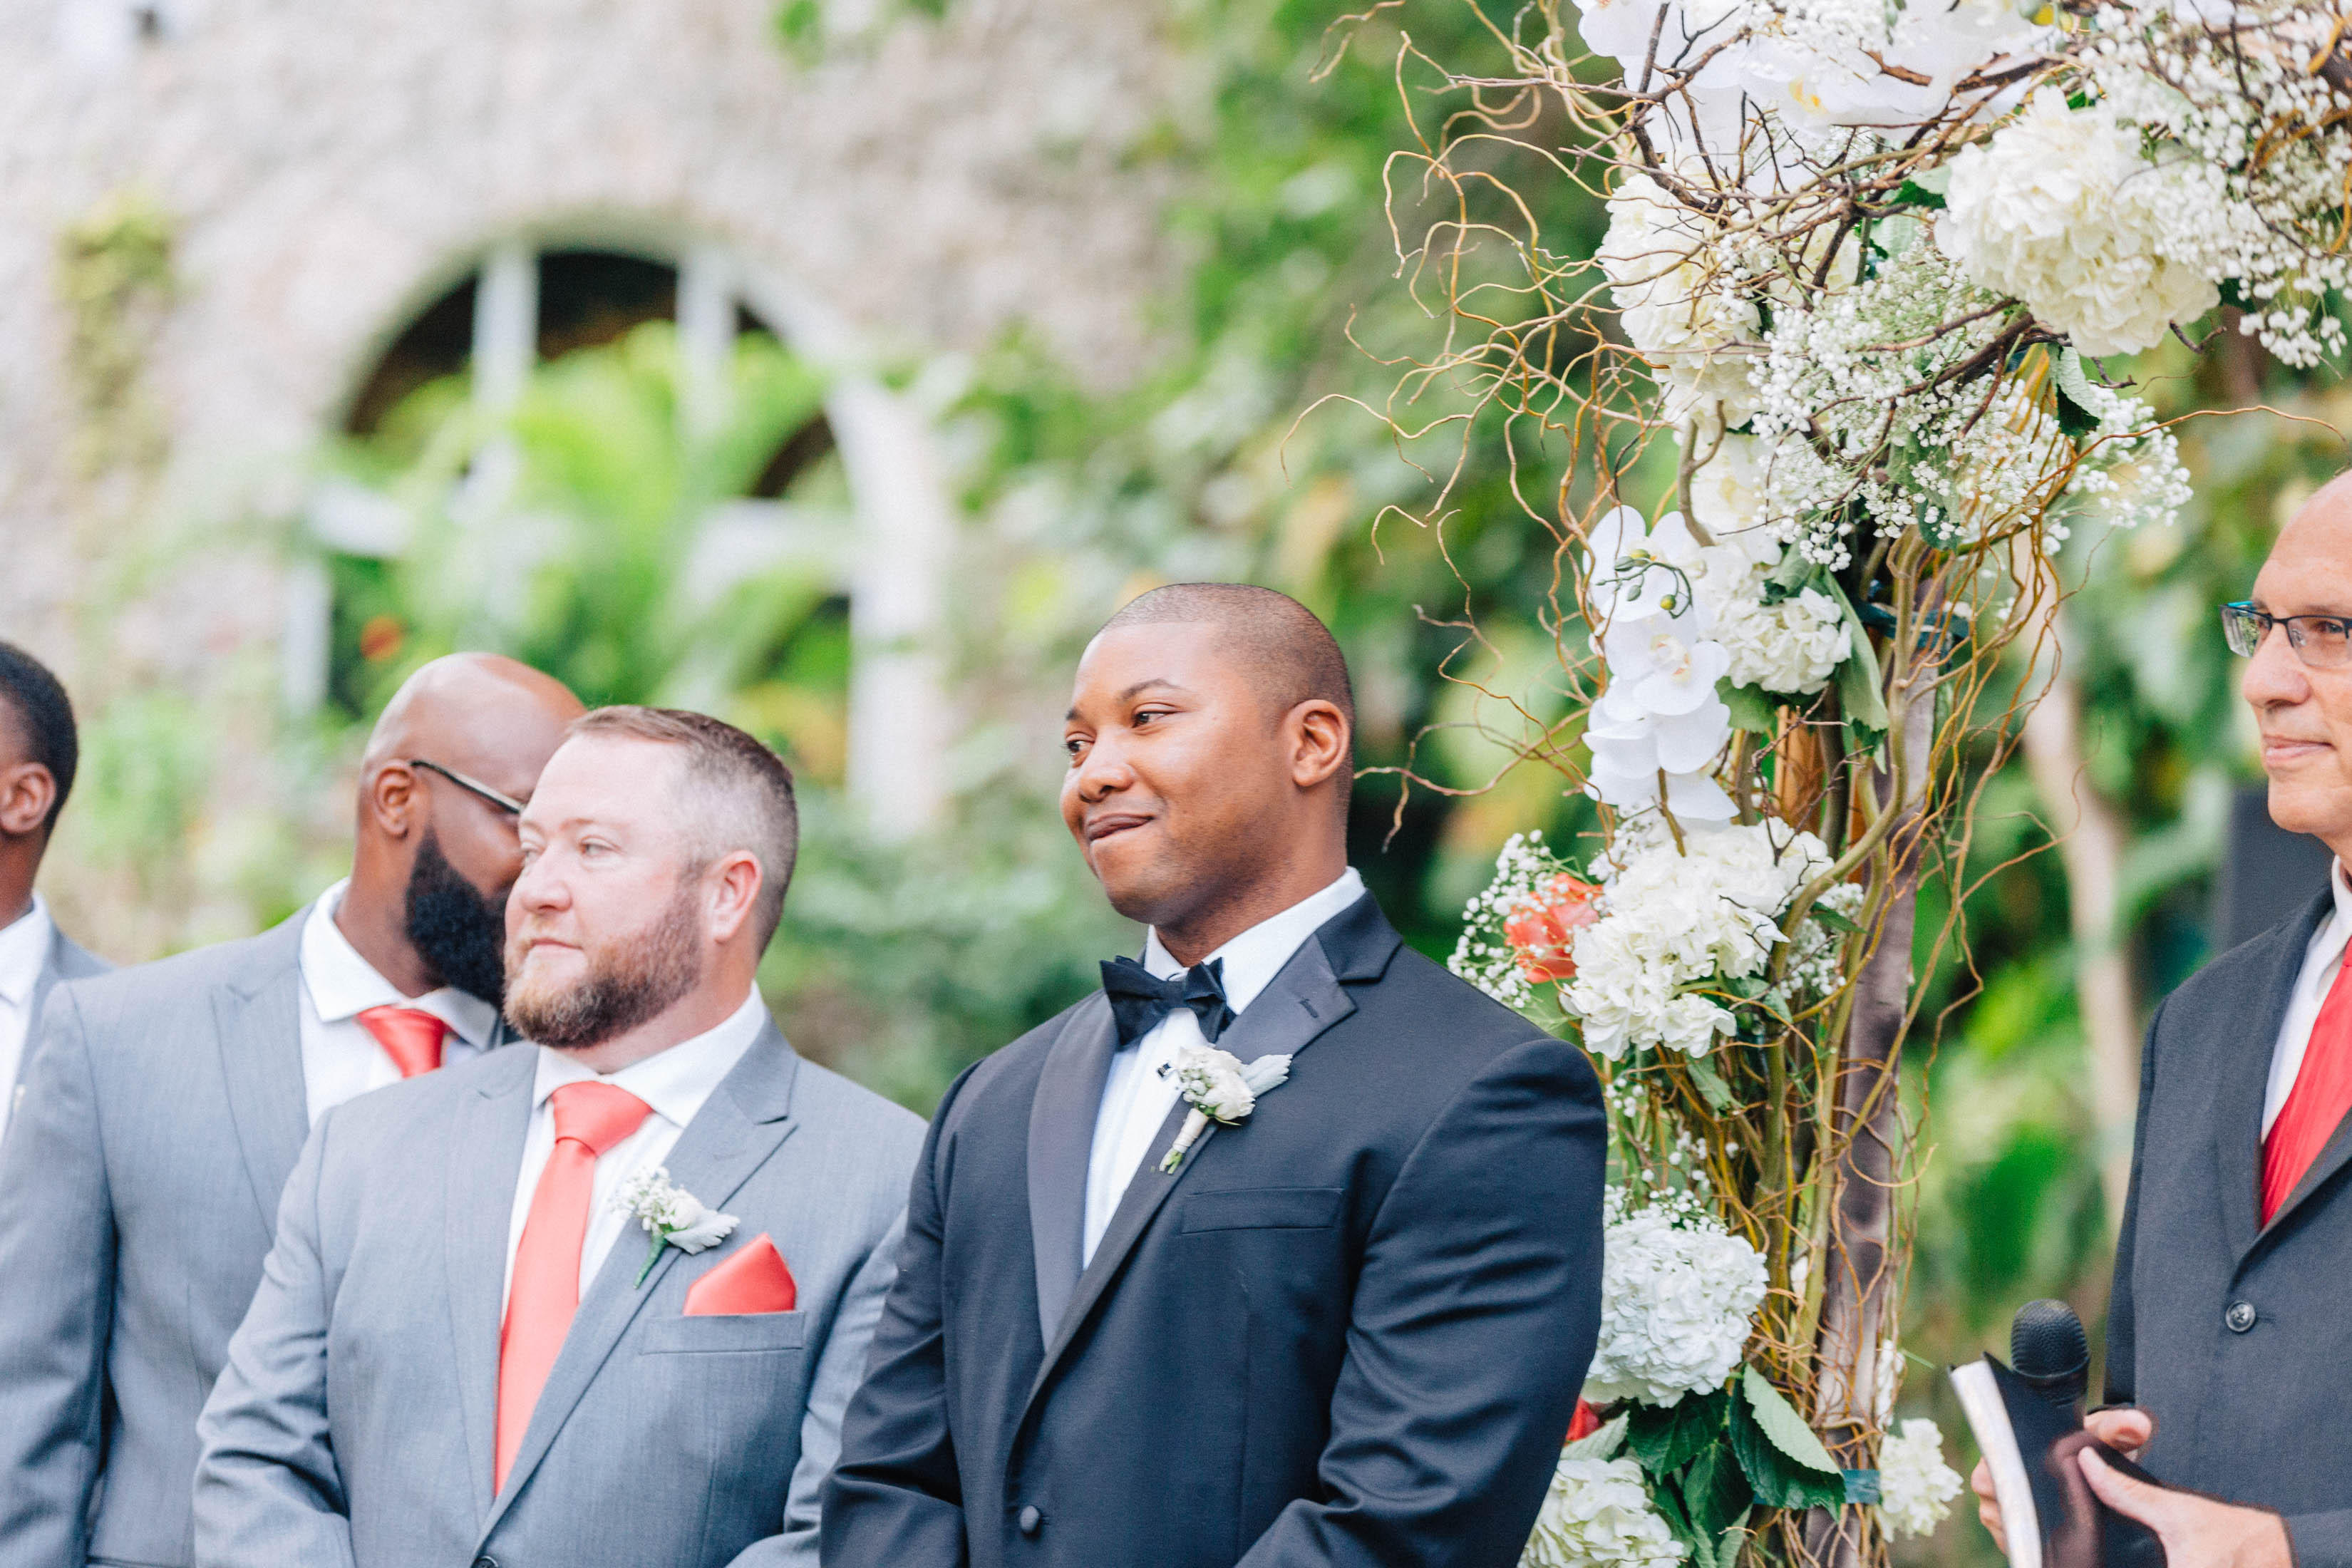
2235, 1335
1350, 1329
163, 1108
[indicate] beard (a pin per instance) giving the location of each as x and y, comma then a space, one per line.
456, 927
630, 979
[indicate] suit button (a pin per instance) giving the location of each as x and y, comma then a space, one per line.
485, 1562
2239, 1317
1029, 1519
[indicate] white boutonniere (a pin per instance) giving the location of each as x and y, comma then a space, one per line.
1218, 1088
671, 1215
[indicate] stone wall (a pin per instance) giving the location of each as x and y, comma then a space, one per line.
324, 170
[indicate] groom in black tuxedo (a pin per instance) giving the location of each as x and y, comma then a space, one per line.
1349, 1327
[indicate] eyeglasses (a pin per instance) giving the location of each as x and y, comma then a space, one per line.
2321, 642
503, 802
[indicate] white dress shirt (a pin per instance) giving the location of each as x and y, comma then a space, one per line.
24, 944
1136, 1099
341, 1061
675, 1082
2321, 961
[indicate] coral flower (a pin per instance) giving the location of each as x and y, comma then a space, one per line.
1540, 930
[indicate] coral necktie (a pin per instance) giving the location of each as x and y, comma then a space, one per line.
2321, 1095
411, 1036
590, 1118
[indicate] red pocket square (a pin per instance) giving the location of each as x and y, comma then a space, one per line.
755, 1280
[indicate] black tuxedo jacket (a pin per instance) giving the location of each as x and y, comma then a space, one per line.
1350, 1329
2235, 1335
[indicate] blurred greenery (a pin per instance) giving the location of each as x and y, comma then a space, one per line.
585, 532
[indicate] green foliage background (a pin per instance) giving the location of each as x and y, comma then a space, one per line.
902, 962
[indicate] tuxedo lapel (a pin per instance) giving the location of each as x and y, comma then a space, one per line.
1305, 999
484, 1160
257, 1021
738, 1128
2245, 1081
1061, 1144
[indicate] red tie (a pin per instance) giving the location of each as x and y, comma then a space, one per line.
590, 1118
410, 1037
2321, 1095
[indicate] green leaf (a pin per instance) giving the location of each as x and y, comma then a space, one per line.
1862, 1486
1710, 1085
1602, 1444
1715, 1494
1762, 1444
2077, 415
1834, 921
1670, 1508
1858, 677
1913, 194
1779, 1480
1750, 709
1665, 1437
1783, 1424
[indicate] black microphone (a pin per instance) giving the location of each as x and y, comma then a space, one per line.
2048, 1349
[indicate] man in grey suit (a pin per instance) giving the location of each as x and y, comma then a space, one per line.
463, 1349
2229, 1345
164, 1106
39, 751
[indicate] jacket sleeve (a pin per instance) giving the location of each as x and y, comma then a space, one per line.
895, 1500
267, 1491
56, 1314
839, 1370
2119, 1340
1474, 1321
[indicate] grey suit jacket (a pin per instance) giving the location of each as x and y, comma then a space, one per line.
355, 1422
67, 959
2235, 1334
162, 1108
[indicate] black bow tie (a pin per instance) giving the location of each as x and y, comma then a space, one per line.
1140, 999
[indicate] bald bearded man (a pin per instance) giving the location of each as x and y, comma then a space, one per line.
164, 1106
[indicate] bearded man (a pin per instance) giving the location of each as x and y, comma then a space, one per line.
1347, 1326
598, 1303
162, 1107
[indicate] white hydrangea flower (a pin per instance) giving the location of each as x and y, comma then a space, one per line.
1916, 1487
1677, 1294
1598, 1515
1682, 316
1793, 646
2060, 209
1673, 918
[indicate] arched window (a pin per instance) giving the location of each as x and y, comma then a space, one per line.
808, 583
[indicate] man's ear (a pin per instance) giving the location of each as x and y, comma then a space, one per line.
1320, 737
394, 802
734, 889
27, 791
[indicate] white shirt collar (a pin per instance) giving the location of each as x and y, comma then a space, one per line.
343, 984
675, 1082
24, 944
1254, 958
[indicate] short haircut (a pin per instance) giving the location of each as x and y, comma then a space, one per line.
1289, 656
746, 792
44, 717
